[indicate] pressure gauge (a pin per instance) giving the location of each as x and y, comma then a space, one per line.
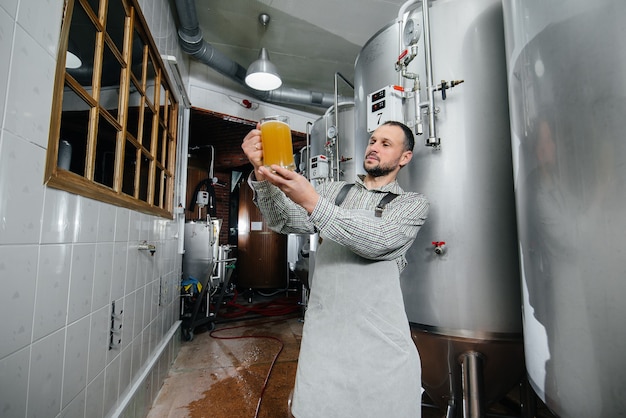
412, 32
331, 132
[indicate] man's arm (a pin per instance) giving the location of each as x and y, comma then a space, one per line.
374, 238
281, 213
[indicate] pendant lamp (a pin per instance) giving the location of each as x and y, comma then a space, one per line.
262, 74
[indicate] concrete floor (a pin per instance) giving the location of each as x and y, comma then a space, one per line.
222, 374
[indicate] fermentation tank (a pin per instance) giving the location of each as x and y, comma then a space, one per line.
199, 257
329, 157
566, 63
261, 252
332, 135
461, 287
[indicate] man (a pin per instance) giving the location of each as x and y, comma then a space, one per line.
357, 358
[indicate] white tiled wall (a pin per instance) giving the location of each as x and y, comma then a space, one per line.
64, 258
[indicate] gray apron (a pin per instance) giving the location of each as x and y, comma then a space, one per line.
357, 358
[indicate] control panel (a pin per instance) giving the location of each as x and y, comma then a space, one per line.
384, 105
319, 167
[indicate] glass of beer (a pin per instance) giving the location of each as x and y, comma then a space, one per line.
276, 138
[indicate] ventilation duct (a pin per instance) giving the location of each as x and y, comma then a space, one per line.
191, 41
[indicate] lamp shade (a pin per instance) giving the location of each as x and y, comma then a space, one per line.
72, 56
262, 74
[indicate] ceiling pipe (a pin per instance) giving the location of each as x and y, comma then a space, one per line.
192, 42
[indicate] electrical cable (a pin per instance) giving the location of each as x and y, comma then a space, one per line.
267, 377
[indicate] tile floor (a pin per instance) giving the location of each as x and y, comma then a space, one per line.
222, 374
219, 377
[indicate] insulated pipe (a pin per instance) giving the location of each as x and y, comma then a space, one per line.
191, 41
291, 95
471, 369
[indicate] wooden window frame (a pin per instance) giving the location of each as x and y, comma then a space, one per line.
146, 184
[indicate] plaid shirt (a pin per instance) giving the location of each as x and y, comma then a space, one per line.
386, 238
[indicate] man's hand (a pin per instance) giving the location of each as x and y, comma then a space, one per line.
295, 186
253, 148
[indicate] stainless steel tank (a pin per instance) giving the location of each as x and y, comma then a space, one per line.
332, 135
566, 63
199, 257
461, 287
330, 157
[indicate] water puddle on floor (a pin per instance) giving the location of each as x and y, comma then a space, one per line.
251, 353
238, 396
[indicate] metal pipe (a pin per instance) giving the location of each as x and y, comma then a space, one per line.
453, 387
338, 74
417, 97
309, 166
181, 174
473, 388
451, 409
432, 139
401, 13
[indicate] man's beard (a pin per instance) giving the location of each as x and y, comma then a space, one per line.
379, 170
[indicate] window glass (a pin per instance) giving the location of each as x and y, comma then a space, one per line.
134, 106
110, 82
148, 118
81, 47
73, 133
160, 144
130, 166
96, 142
158, 186
150, 82
104, 167
116, 16
139, 48
144, 176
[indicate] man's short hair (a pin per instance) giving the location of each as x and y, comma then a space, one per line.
409, 139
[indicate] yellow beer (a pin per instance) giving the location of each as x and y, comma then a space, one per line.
276, 138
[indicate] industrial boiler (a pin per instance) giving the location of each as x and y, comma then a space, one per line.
441, 68
566, 62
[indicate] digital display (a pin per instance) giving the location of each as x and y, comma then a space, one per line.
377, 106
377, 96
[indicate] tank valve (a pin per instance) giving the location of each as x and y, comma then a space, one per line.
144, 246
445, 85
405, 59
440, 247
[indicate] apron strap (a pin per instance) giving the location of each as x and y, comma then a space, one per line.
379, 208
383, 202
343, 193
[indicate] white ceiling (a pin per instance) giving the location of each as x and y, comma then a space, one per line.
308, 40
